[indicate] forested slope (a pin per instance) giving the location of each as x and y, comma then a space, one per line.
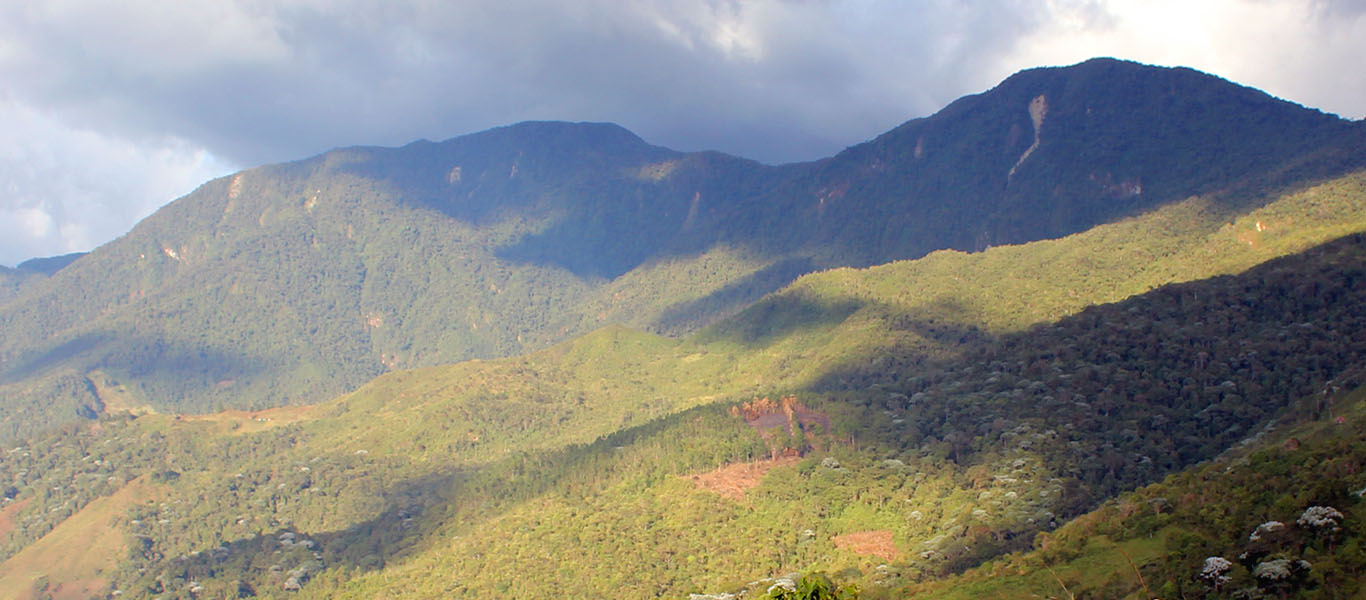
1279, 516
908, 454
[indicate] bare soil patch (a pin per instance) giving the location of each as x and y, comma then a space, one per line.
869, 543
82, 589
733, 481
7, 515
246, 421
765, 413
787, 415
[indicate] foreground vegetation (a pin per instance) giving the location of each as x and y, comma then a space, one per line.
1278, 516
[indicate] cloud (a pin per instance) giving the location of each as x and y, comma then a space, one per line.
257, 81
169, 91
67, 190
1303, 51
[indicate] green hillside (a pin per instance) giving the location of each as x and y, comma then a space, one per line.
11, 281
947, 410
289, 284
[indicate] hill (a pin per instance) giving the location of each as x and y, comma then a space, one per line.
290, 283
1261, 520
11, 281
577, 461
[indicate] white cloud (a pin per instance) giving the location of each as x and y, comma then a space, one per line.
68, 190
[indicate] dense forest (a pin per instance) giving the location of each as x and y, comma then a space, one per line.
960, 461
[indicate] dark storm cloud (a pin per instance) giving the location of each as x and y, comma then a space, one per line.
256, 82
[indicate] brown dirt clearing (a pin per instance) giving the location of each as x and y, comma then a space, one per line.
248, 421
732, 481
869, 543
8, 513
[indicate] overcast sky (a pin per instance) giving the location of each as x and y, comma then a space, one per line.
109, 109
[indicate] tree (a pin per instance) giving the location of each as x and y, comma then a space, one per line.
813, 586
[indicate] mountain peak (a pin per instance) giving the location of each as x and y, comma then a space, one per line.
557, 135
1106, 76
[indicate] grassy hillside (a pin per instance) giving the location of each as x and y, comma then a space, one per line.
289, 284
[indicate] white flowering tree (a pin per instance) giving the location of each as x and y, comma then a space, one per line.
1216, 572
815, 586
1280, 575
1323, 522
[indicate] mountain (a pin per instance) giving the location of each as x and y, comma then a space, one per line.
918, 426
291, 283
49, 265
1096, 414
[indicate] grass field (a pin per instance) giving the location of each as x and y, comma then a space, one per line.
72, 560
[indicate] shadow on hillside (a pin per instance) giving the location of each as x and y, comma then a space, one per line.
35, 363
1103, 401
136, 355
938, 333
936, 330
423, 512
780, 316
688, 316
1122, 394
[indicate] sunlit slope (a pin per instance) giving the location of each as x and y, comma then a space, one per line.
77, 558
957, 467
890, 318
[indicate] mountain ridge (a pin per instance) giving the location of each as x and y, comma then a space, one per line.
290, 283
